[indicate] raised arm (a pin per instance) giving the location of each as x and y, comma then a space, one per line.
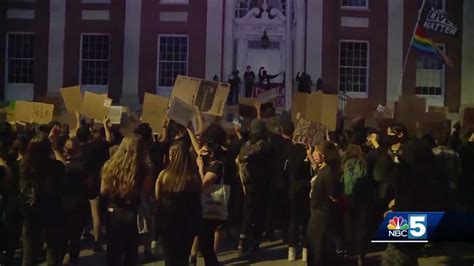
53, 137
107, 125
258, 108
199, 122
194, 141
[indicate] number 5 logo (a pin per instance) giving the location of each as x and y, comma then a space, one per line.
417, 224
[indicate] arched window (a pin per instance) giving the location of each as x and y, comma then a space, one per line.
243, 6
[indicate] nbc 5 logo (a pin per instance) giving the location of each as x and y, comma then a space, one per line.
412, 228
417, 224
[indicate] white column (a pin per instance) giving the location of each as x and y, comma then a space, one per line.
314, 38
467, 80
228, 38
394, 49
131, 52
57, 24
300, 13
214, 38
289, 58
241, 64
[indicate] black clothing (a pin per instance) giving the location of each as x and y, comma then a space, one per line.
122, 236
178, 218
249, 78
95, 154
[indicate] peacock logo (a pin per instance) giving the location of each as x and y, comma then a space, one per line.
398, 223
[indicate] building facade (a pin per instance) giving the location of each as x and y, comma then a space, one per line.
128, 47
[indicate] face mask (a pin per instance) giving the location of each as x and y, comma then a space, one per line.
389, 140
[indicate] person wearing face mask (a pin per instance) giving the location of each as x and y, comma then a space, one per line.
324, 195
211, 170
381, 163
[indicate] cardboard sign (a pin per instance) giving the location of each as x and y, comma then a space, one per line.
410, 110
308, 132
468, 118
435, 124
72, 97
39, 113
154, 111
439, 109
95, 106
54, 100
209, 96
360, 108
181, 112
316, 107
115, 114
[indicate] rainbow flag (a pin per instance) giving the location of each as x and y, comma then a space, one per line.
422, 43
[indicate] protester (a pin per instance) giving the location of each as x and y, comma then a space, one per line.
177, 192
123, 180
234, 81
249, 78
40, 184
323, 198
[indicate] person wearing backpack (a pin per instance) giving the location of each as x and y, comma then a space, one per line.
253, 161
357, 201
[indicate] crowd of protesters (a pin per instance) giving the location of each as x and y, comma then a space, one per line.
325, 201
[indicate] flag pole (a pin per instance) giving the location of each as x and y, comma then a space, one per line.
405, 61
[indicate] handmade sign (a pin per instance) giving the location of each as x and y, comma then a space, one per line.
181, 112
316, 107
308, 132
52, 99
40, 113
439, 109
410, 110
278, 87
115, 114
95, 106
468, 118
209, 96
268, 95
154, 111
360, 108
72, 97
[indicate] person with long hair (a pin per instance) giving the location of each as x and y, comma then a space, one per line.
323, 197
358, 201
40, 184
123, 179
177, 191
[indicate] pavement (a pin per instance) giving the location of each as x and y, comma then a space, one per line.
275, 254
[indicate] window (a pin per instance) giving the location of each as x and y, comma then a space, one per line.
430, 74
355, 3
20, 57
172, 60
243, 6
174, 2
353, 66
95, 57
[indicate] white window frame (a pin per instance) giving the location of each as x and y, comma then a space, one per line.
442, 46
7, 57
366, 7
174, 2
350, 93
99, 88
165, 90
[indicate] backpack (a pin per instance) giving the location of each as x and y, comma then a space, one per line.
353, 171
246, 157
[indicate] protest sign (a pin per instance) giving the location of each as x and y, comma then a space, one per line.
318, 107
268, 95
468, 118
440, 109
95, 106
72, 97
209, 96
410, 110
299, 103
360, 108
40, 113
115, 114
308, 132
438, 21
154, 111
435, 124
181, 112
52, 99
